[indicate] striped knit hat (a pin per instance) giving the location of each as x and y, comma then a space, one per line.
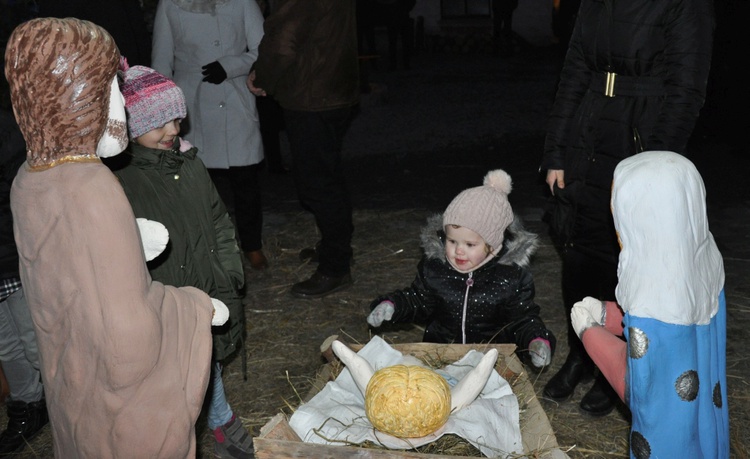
484, 209
151, 99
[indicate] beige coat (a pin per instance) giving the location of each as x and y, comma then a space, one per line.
125, 360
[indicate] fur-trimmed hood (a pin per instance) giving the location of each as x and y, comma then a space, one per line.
518, 246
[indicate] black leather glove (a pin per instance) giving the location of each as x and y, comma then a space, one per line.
214, 73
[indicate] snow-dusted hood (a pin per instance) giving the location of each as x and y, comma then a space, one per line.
518, 246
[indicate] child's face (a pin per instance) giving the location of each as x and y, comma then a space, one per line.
464, 248
160, 138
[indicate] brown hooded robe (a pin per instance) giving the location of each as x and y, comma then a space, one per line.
125, 360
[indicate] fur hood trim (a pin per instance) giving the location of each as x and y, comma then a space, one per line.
518, 246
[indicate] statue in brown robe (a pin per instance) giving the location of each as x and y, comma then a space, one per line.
125, 360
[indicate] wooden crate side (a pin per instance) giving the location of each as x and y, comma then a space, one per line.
273, 443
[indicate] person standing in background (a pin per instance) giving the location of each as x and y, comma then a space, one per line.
208, 48
19, 353
502, 25
308, 62
634, 79
271, 122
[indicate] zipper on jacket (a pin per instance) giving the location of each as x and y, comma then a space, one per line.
469, 283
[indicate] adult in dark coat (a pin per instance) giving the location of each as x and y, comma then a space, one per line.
634, 79
307, 61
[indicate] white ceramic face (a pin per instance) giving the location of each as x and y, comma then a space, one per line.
115, 137
464, 248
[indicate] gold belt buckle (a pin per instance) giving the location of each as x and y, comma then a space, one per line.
609, 86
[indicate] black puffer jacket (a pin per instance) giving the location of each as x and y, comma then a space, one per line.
661, 54
499, 306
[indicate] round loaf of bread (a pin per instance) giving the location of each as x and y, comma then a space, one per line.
407, 401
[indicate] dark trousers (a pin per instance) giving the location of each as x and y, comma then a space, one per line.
315, 140
271, 124
502, 21
239, 188
583, 276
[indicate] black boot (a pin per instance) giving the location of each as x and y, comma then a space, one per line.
25, 420
600, 399
577, 368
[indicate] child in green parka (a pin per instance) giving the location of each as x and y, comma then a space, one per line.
165, 181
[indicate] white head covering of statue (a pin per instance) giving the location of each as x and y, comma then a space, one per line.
669, 268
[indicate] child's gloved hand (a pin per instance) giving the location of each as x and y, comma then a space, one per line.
541, 352
221, 313
587, 313
154, 237
382, 312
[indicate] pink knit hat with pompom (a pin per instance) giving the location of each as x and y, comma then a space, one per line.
484, 209
151, 99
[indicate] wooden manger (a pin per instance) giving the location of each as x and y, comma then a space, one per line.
277, 440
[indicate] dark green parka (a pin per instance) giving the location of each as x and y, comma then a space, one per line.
174, 188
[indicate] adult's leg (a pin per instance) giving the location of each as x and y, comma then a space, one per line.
248, 208
315, 141
269, 114
239, 188
26, 407
223, 185
18, 349
407, 39
583, 275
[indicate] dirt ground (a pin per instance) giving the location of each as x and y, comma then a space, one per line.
407, 156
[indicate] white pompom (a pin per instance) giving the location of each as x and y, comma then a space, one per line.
499, 180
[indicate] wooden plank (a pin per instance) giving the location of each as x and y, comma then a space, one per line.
278, 428
267, 448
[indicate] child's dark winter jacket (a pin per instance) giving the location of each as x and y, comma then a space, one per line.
174, 188
494, 303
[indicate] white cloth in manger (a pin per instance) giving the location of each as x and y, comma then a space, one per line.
336, 415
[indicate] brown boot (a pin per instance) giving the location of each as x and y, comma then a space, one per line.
258, 261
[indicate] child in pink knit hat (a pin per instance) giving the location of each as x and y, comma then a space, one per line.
472, 284
165, 181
